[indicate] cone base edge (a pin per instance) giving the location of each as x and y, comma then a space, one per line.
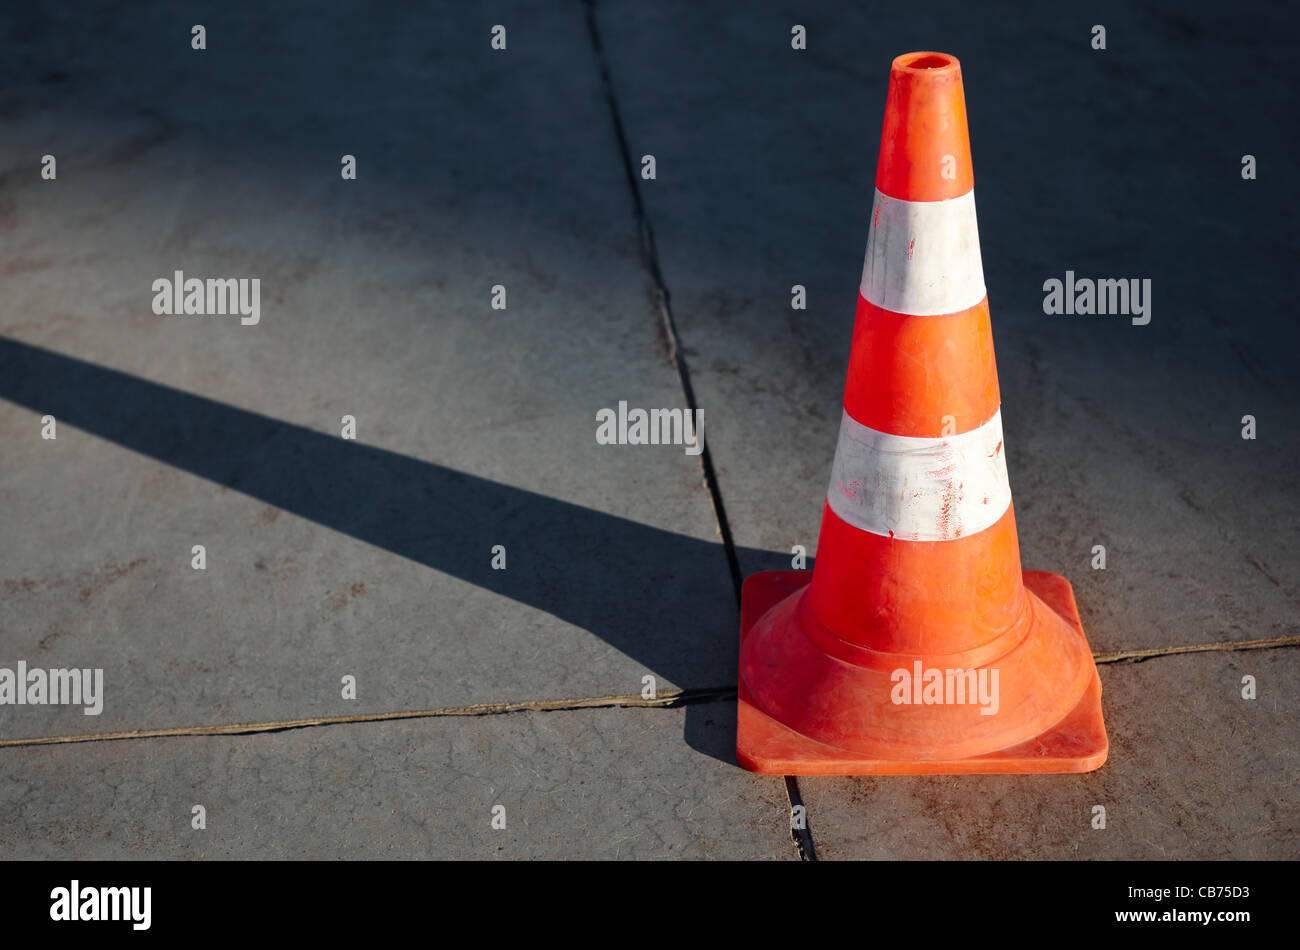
1077, 743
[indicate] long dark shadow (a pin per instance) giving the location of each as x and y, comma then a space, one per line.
650, 593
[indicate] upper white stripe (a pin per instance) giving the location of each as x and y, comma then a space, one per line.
920, 489
923, 257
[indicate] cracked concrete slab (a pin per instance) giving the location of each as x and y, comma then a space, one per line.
603, 784
475, 426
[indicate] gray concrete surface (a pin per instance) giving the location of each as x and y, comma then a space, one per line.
1195, 771
475, 426
371, 557
596, 784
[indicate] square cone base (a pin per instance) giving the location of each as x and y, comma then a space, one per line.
1075, 744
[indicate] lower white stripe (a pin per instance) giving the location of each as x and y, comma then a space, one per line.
920, 489
923, 257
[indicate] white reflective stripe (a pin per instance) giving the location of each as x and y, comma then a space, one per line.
923, 257
920, 489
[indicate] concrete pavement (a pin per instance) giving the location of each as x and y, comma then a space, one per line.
373, 558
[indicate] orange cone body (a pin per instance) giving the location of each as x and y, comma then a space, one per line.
918, 645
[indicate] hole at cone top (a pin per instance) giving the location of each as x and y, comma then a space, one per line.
928, 61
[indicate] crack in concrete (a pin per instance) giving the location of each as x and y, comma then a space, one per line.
664, 701
650, 259
1225, 646
802, 837
672, 700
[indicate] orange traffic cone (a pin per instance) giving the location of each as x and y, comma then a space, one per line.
918, 645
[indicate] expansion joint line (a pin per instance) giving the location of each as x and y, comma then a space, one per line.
1224, 646
683, 697
663, 300
671, 700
